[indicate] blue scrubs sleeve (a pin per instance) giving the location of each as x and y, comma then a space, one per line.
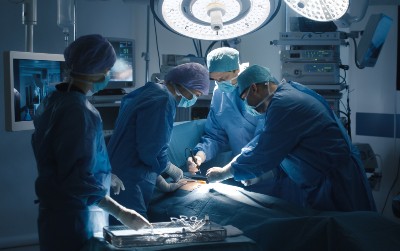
215, 138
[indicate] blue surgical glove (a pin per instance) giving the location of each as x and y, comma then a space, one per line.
126, 216
264, 177
116, 184
217, 174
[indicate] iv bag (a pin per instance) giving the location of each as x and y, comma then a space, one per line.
65, 13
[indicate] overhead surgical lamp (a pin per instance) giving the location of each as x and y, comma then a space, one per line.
319, 10
214, 19
355, 13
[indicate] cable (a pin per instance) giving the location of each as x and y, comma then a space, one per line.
201, 49
347, 108
348, 112
195, 47
210, 47
158, 50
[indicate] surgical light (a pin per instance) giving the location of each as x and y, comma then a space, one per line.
319, 10
214, 19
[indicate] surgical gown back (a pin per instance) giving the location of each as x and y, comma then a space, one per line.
73, 170
303, 138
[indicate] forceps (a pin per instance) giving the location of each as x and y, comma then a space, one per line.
192, 222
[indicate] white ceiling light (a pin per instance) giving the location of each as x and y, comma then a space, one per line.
214, 19
319, 10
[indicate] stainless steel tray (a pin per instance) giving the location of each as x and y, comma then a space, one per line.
163, 233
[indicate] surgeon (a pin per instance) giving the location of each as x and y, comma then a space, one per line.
303, 137
74, 171
228, 126
139, 144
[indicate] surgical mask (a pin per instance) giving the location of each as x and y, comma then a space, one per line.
184, 102
98, 86
252, 109
227, 86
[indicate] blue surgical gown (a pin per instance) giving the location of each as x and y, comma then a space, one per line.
139, 144
228, 127
73, 169
302, 136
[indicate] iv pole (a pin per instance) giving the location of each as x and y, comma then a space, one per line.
146, 54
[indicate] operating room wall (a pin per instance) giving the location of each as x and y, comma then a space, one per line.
373, 95
372, 89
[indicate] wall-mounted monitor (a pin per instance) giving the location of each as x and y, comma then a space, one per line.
123, 72
372, 40
28, 78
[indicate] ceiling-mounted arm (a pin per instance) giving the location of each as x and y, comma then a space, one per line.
29, 19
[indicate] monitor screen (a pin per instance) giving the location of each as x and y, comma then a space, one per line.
123, 71
28, 78
372, 40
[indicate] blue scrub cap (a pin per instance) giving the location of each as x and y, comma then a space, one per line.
223, 59
89, 54
190, 75
252, 75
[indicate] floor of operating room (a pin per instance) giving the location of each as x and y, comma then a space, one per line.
24, 248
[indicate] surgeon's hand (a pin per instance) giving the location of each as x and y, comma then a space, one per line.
116, 184
132, 219
193, 165
174, 172
166, 187
215, 174
250, 181
128, 217
262, 178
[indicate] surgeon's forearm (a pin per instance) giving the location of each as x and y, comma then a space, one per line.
228, 171
110, 206
233, 160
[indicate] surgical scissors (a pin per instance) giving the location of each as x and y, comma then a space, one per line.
191, 222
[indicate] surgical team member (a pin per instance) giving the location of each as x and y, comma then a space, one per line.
73, 165
139, 144
302, 136
228, 126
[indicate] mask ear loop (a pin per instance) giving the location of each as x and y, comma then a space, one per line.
177, 92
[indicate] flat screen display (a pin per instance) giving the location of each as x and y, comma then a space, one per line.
123, 71
29, 77
372, 40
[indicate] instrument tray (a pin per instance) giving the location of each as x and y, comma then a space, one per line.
162, 233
